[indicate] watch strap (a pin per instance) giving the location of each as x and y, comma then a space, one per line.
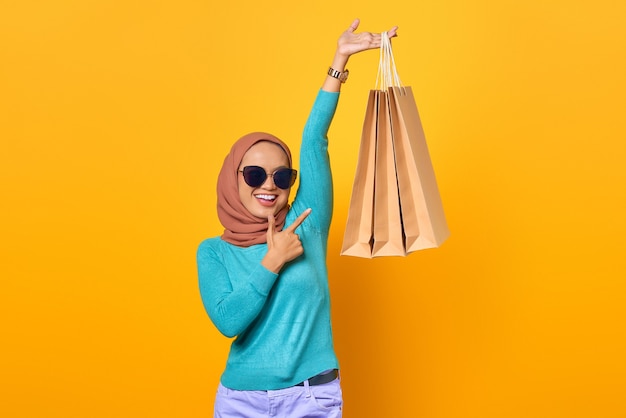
339, 75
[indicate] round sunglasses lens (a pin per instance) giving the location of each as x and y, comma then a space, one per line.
254, 176
284, 178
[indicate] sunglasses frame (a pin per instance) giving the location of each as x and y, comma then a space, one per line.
292, 178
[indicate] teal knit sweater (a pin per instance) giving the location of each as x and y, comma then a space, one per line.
281, 321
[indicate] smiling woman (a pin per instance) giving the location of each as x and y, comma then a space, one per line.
238, 208
259, 193
268, 285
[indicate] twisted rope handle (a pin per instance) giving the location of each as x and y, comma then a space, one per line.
387, 75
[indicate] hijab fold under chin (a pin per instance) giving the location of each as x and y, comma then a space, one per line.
241, 228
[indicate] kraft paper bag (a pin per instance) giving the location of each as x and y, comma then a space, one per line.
357, 239
395, 207
388, 239
424, 221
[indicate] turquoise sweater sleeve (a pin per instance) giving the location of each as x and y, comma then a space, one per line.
316, 186
231, 304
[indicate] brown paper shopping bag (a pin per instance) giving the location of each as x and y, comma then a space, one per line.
388, 239
424, 221
357, 239
395, 206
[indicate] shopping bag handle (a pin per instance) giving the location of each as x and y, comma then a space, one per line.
387, 73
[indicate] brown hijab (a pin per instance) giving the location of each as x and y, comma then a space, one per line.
240, 226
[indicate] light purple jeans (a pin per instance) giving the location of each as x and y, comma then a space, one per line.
320, 401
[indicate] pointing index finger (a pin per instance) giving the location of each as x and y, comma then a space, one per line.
270, 225
298, 221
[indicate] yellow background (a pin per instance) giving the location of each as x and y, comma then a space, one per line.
114, 119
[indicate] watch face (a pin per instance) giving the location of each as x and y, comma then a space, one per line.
344, 76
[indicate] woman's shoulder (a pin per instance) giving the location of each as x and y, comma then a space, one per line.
210, 244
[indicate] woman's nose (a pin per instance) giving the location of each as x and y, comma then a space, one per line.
269, 183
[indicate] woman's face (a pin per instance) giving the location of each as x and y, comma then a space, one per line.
267, 198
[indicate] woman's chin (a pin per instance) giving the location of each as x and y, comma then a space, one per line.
264, 212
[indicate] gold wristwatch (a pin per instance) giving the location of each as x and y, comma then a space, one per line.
341, 76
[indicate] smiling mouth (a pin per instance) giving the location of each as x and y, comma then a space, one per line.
266, 199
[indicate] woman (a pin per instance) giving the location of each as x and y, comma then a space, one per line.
265, 279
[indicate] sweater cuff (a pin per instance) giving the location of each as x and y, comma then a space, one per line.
328, 98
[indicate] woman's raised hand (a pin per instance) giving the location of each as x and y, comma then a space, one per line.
282, 246
350, 43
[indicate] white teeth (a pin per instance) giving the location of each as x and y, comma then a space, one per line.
266, 196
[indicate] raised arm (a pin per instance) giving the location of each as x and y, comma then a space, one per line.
350, 43
316, 189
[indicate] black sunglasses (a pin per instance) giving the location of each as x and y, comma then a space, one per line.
255, 176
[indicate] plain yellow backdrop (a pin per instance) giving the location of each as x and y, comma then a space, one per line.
114, 119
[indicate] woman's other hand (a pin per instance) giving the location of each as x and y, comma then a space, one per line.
282, 246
